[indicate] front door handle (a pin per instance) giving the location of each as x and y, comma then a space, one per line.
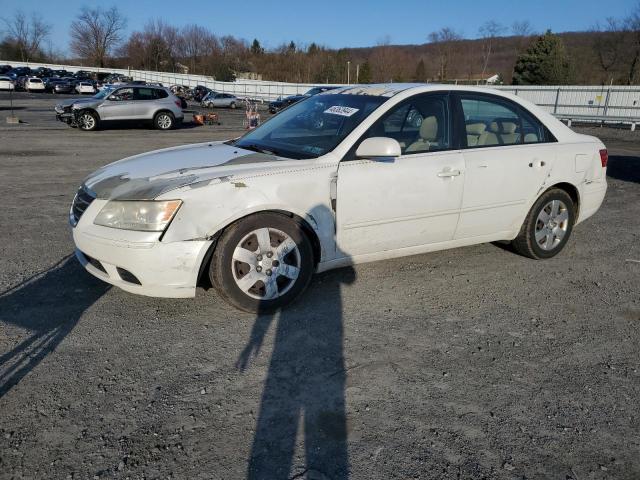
449, 173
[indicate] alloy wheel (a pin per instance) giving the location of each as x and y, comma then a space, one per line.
551, 225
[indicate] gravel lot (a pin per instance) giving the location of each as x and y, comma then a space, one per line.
468, 363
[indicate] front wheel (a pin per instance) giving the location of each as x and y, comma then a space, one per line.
87, 121
547, 227
164, 121
262, 263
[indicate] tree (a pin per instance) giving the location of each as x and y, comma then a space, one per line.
444, 41
608, 44
489, 31
256, 48
545, 62
26, 35
195, 42
364, 76
421, 71
96, 32
632, 24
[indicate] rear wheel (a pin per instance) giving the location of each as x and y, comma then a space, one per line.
262, 263
547, 227
164, 121
87, 121
233, 105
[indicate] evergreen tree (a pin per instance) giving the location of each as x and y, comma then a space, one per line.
545, 62
364, 75
256, 48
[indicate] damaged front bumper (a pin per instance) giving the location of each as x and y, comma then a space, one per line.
138, 262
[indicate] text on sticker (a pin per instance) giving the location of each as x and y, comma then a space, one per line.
340, 110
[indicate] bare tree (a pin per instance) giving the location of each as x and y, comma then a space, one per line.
632, 26
489, 31
27, 33
195, 42
522, 29
96, 32
609, 44
444, 40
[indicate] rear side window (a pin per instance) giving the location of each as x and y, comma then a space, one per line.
144, 94
491, 121
161, 93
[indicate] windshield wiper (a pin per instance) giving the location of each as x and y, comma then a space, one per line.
256, 148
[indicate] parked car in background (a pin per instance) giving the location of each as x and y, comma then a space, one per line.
123, 103
199, 92
19, 72
5, 69
63, 86
277, 105
34, 84
281, 103
220, 100
261, 213
85, 87
6, 83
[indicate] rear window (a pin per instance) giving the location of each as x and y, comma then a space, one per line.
35, 80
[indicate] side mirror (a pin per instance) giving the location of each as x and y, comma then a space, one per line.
379, 147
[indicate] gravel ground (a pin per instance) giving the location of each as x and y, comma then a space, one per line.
468, 363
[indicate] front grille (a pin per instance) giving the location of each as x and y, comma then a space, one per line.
80, 203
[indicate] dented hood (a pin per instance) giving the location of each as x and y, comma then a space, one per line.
148, 175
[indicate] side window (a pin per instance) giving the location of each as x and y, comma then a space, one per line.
491, 122
123, 94
144, 94
420, 124
160, 93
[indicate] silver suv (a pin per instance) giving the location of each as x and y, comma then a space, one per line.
122, 103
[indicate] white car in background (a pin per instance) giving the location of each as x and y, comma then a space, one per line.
6, 83
85, 87
34, 84
351, 175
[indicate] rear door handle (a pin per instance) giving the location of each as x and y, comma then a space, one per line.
537, 164
449, 173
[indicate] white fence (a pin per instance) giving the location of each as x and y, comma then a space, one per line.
593, 102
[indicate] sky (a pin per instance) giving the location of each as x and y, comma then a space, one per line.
333, 23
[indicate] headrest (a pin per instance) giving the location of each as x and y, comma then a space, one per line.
429, 128
507, 127
476, 128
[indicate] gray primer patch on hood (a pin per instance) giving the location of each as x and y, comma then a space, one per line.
147, 176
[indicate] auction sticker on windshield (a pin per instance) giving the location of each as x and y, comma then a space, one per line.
340, 110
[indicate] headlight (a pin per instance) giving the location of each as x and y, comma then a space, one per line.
146, 216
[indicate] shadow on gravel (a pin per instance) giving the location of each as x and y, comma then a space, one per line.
305, 386
48, 306
625, 168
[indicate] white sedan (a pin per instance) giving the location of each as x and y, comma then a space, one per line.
85, 87
6, 83
34, 84
352, 175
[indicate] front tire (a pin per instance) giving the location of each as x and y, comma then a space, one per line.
547, 227
164, 121
87, 121
262, 263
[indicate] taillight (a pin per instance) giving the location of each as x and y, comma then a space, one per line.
179, 105
604, 157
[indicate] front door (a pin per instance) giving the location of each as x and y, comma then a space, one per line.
118, 106
409, 201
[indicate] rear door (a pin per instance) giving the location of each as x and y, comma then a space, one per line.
145, 102
507, 154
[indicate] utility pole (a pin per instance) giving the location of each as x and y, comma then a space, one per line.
348, 72
357, 73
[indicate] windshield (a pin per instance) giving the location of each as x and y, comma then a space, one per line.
103, 93
311, 127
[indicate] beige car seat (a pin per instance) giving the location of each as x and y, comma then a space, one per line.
507, 134
428, 136
475, 131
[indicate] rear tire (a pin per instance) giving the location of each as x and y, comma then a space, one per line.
547, 227
262, 263
233, 105
164, 121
